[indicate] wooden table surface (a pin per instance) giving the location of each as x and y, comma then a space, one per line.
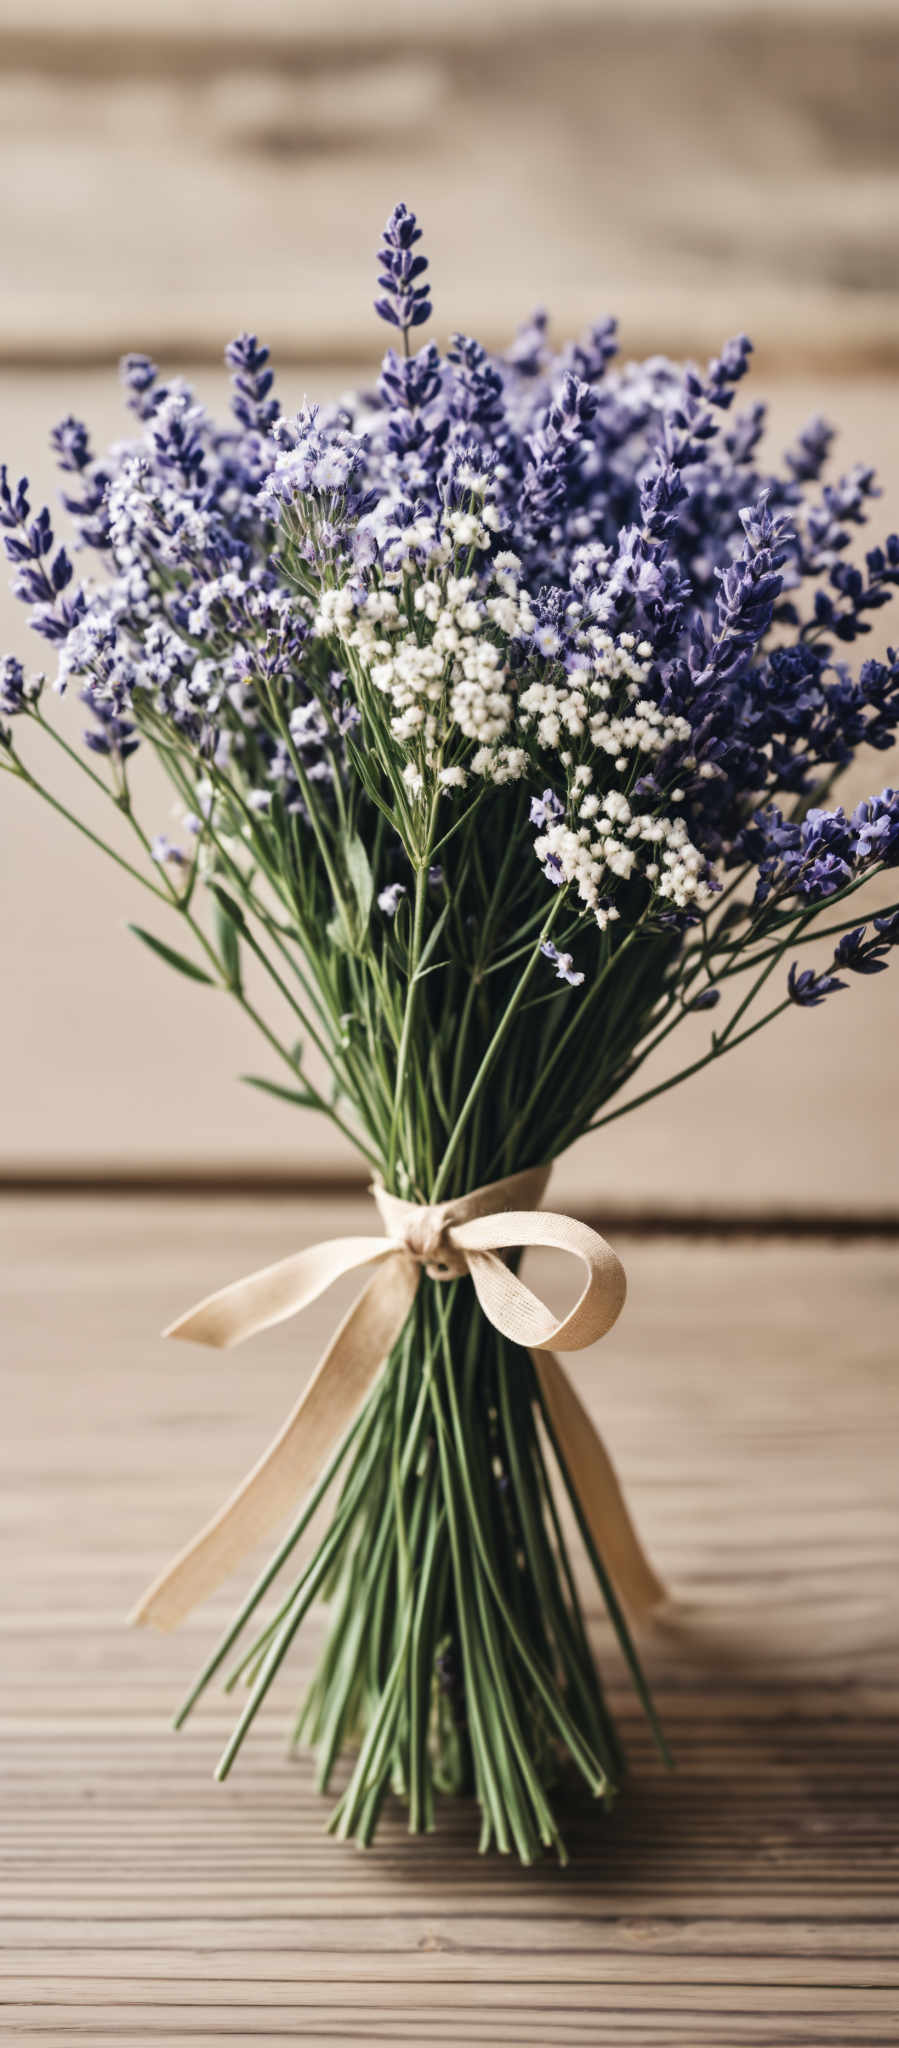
748, 1396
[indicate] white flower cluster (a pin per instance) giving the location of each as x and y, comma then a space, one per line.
602, 700
433, 637
600, 706
446, 678
618, 843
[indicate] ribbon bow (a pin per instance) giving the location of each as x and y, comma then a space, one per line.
446, 1241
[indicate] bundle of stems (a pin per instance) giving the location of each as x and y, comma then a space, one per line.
457, 1659
502, 732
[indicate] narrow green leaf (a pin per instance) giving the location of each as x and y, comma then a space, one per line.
228, 945
278, 817
361, 877
172, 959
435, 1079
229, 920
370, 782
423, 969
227, 903
296, 1095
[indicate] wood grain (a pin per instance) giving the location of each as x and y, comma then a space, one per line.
748, 1397
693, 167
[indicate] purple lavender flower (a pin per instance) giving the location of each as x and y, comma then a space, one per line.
528, 353
727, 369
417, 429
546, 809
410, 383
806, 459
661, 495
114, 735
176, 431
556, 453
748, 591
406, 304
252, 381
139, 374
71, 445
477, 392
808, 989
16, 695
861, 955
876, 827
823, 862
564, 964
821, 855
589, 357
162, 850
14, 506
313, 459
41, 575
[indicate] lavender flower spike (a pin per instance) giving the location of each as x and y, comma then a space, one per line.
405, 304
808, 989
861, 954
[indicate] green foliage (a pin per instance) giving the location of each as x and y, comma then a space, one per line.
300, 1097
172, 958
362, 881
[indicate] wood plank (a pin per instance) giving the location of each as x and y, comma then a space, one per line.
276, 22
749, 1897
764, 142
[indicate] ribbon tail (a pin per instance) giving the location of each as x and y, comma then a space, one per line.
294, 1459
599, 1491
275, 1293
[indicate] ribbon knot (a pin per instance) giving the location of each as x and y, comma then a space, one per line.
427, 1237
447, 1240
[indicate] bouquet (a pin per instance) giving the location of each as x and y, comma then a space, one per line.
502, 707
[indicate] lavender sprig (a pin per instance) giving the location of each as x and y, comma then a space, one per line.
406, 303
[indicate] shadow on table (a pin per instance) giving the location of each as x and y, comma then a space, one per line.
782, 1727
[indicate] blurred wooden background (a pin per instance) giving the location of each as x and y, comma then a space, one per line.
171, 178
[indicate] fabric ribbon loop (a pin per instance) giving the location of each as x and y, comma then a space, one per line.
517, 1312
445, 1240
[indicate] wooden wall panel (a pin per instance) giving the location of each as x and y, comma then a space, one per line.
692, 167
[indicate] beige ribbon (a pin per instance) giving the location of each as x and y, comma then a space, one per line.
448, 1240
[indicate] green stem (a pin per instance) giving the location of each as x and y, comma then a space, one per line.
486, 1064
695, 1067
103, 846
400, 1107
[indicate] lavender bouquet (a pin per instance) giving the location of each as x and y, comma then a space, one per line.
503, 704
